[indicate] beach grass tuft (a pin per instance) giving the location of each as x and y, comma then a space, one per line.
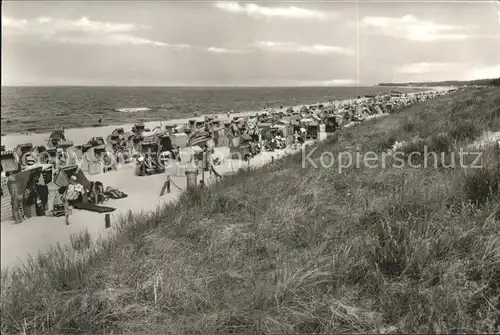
81, 241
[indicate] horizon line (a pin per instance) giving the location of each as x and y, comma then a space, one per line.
217, 86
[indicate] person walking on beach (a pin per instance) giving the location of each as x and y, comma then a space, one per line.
178, 153
63, 198
100, 120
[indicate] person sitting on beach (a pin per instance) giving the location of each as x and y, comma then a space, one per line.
74, 192
98, 193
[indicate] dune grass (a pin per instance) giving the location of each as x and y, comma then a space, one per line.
286, 249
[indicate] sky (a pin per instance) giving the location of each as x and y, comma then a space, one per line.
259, 43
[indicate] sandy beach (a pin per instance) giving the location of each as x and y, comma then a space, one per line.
39, 234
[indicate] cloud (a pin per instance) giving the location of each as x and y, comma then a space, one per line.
450, 71
257, 11
411, 28
217, 50
80, 31
116, 40
47, 25
340, 82
268, 46
497, 8
316, 49
477, 72
8, 22
426, 68
331, 82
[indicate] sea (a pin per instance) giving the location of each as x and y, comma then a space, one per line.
43, 109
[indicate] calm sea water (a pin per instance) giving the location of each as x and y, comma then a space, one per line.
42, 109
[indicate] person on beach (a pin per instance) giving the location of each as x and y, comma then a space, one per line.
16, 199
178, 153
100, 120
62, 199
296, 141
75, 191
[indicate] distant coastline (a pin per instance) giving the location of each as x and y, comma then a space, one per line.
447, 83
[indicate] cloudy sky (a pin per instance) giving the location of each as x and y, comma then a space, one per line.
247, 43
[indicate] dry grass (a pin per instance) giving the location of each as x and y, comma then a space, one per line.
81, 241
284, 249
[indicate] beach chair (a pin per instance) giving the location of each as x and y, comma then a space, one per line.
9, 162
138, 128
169, 129
331, 124
242, 152
118, 131
55, 137
96, 141
24, 149
165, 143
312, 131
199, 140
113, 139
25, 181
6, 209
149, 160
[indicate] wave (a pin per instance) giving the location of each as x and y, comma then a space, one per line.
133, 110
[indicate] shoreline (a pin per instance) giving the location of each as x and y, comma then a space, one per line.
83, 135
